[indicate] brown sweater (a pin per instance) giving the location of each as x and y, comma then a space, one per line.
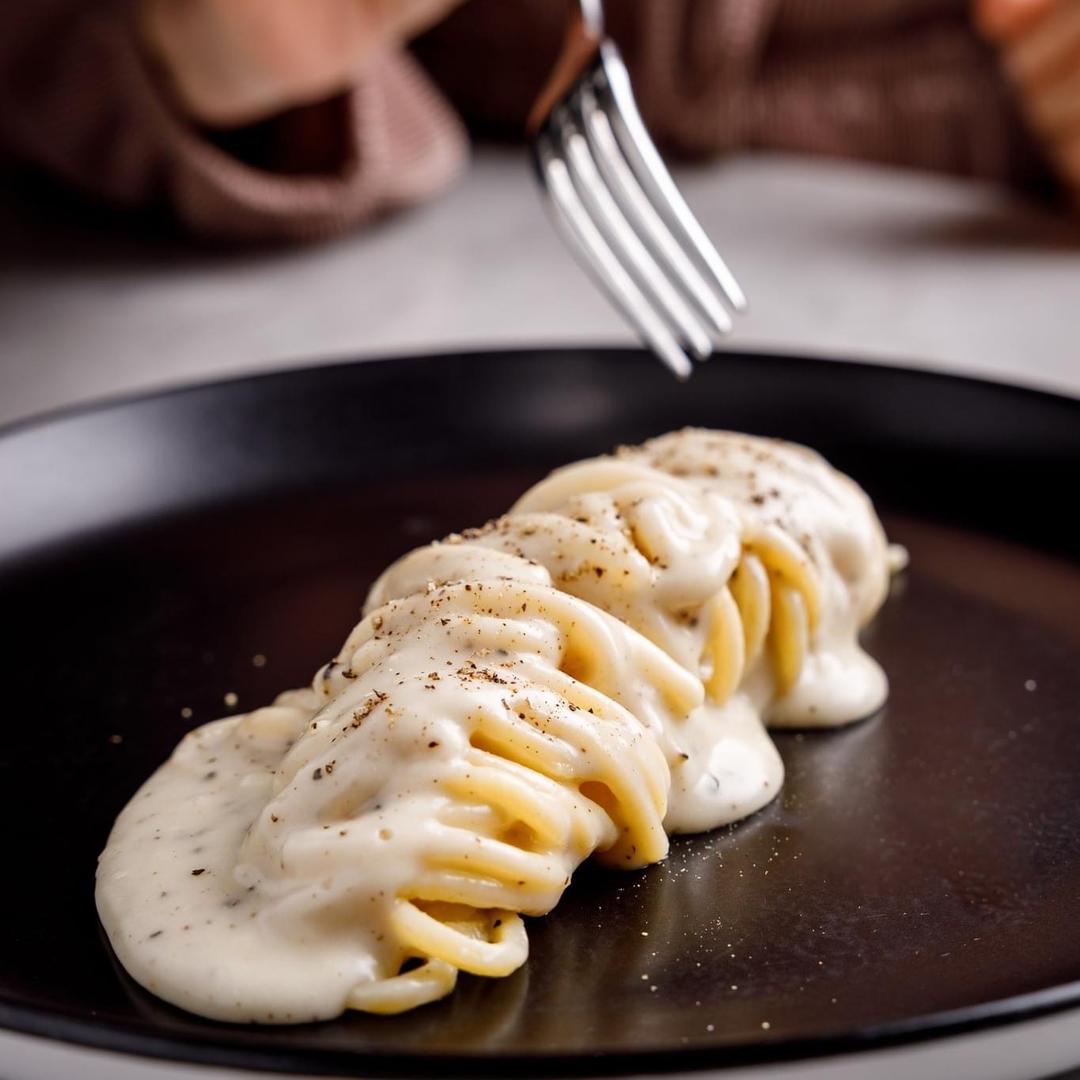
904, 82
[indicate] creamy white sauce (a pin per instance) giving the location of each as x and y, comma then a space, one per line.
261, 873
780, 484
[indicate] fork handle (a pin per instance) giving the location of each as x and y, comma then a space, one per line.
592, 14
584, 32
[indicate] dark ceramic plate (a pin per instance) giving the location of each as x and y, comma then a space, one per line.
919, 875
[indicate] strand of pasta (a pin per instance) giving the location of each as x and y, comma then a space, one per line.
770, 601
769, 593
556, 768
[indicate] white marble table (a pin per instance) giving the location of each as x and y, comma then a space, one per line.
852, 261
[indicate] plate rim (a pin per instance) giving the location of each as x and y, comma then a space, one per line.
21, 1018
999, 1014
331, 362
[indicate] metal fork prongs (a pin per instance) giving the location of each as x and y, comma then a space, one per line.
618, 207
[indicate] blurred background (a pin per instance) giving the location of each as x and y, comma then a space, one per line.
192, 189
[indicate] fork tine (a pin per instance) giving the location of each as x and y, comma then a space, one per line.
640, 210
596, 256
622, 238
645, 160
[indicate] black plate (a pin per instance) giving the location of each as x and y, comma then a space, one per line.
920, 874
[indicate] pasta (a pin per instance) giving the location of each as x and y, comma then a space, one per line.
578, 678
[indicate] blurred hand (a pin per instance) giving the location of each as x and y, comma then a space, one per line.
233, 62
1040, 43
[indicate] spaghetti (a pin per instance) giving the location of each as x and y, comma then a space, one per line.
578, 678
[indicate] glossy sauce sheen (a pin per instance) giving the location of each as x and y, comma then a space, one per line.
262, 872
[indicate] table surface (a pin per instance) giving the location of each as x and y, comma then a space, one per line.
840, 259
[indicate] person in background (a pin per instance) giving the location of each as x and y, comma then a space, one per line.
300, 119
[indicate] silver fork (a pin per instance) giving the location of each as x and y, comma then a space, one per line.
618, 208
